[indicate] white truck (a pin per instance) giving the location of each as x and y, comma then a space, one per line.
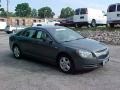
89, 16
113, 14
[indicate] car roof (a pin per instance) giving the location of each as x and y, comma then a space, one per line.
47, 27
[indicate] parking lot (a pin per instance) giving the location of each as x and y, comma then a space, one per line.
28, 74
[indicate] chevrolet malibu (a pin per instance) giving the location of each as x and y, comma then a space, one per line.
59, 45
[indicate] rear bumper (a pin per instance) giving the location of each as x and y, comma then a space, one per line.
82, 23
8, 32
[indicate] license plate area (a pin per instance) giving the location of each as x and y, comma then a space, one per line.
105, 61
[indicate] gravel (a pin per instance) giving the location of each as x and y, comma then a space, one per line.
109, 37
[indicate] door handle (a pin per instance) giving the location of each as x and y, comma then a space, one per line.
118, 15
55, 47
82, 17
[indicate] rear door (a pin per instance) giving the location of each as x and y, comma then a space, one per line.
112, 13
118, 12
84, 15
81, 15
102, 17
27, 41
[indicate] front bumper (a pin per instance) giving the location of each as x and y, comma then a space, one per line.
114, 22
81, 63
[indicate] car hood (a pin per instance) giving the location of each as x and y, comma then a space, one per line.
87, 44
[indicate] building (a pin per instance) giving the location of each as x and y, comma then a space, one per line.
20, 21
13, 21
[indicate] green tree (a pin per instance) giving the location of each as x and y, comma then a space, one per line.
23, 10
3, 13
66, 12
34, 13
45, 12
11, 14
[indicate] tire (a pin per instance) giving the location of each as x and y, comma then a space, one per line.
111, 25
76, 25
93, 23
80, 26
66, 64
8, 32
17, 52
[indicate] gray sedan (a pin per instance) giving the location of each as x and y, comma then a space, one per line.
59, 45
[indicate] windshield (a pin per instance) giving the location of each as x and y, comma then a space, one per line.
65, 35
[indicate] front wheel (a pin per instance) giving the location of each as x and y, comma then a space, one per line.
17, 52
66, 64
93, 23
111, 25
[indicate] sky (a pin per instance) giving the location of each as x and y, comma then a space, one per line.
57, 5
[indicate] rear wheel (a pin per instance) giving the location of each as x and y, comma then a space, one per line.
111, 25
66, 64
76, 25
93, 23
17, 52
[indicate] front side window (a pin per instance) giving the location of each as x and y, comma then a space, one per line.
42, 35
77, 11
118, 8
112, 8
29, 33
39, 35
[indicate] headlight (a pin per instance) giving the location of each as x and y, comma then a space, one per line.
85, 54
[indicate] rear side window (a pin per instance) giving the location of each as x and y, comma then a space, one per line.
112, 8
83, 11
118, 8
29, 33
7, 27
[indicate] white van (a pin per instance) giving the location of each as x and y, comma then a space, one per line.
11, 29
89, 16
3, 25
113, 14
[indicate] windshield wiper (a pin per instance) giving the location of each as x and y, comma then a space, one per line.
74, 39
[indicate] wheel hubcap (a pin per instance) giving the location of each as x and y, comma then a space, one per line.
65, 64
93, 24
16, 52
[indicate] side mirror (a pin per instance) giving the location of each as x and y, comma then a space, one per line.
50, 41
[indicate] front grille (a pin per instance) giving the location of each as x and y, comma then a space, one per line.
102, 54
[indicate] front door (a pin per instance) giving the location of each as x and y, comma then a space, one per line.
45, 47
